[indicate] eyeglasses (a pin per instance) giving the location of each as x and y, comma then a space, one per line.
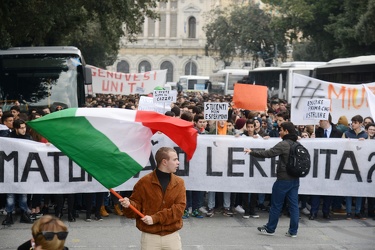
49, 235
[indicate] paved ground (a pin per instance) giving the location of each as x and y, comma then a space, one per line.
218, 232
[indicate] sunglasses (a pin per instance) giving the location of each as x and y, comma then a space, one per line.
49, 235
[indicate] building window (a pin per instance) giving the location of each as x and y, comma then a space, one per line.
123, 66
162, 25
169, 66
191, 68
151, 27
192, 27
144, 66
173, 25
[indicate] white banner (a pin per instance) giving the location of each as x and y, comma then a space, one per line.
108, 82
346, 99
339, 167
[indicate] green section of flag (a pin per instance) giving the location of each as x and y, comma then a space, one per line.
87, 147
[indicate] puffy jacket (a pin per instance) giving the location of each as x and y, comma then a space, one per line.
165, 209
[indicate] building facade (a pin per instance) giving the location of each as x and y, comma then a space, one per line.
175, 42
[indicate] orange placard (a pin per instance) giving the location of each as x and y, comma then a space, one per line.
251, 97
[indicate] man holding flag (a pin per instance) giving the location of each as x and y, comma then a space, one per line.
161, 196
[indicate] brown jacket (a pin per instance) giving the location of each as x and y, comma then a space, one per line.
165, 209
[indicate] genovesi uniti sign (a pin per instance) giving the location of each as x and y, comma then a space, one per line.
108, 82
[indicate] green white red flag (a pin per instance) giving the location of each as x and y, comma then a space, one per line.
112, 145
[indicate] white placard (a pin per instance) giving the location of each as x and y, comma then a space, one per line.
164, 96
317, 109
216, 111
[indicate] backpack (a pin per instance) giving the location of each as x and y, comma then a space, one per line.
299, 160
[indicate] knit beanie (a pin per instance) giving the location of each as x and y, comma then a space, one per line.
343, 120
240, 123
259, 119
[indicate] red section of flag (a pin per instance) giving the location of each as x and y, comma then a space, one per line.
180, 131
251, 97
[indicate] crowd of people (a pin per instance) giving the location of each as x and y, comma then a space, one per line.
199, 204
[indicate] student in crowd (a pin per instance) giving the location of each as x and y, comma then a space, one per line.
19, 132
194, 199
280, 118
355, 132
221, 129
285, 185
249, 200
15, 111
326, 130
342, 124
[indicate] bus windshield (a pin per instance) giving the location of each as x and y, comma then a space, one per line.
193, 83
41, 80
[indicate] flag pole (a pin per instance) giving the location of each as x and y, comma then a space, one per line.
130, 206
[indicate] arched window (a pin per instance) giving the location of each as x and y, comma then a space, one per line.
192, 27
191, 68
144, 66
169, 66
123, 66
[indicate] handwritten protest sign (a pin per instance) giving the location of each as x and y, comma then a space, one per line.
317, 109
215, 111
163, 96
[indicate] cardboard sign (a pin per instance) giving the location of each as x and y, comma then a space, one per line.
251, 97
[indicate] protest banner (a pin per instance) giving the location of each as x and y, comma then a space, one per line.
346, 99
215, 111
108, 82
250, 97
342, 167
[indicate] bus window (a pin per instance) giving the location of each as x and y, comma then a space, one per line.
42, 78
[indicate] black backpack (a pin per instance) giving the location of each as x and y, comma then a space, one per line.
299, 160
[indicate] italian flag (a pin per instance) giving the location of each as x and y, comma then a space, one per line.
112, 144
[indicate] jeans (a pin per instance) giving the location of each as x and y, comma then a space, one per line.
261, 198
211, 200
280, 190
22, 201
194, 199
358, 204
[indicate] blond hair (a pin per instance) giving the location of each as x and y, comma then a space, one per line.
163, 153
50, 224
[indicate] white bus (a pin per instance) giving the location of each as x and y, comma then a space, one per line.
193, 83
352, 70
279, 79
222, 82
43, 77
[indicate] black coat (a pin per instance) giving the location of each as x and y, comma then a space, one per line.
335, 133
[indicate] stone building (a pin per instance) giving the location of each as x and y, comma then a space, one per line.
175, 42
